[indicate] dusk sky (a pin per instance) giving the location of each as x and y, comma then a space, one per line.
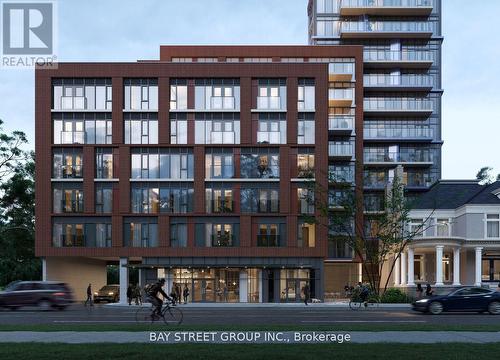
123, 30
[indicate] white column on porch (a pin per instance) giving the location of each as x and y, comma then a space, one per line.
397, 271
123, 271
411, 263
439, 265
479, 260
404, 275
456, 266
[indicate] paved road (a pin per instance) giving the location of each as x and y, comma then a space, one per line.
296, 315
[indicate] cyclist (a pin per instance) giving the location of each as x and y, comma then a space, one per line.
152, 293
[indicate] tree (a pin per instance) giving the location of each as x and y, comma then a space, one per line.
17, 219
485, 176
10, 151
381, 239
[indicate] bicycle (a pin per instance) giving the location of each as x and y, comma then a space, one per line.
357, 300
170, 314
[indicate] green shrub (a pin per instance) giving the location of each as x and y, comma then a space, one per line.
395, 296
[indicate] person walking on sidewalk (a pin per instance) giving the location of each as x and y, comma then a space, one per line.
428, 290
419, 291
307, 294
129, 294
185, 293
89, 296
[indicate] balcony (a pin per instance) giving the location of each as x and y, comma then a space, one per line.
394, 106
341, 151
72, 206
341, 125
68, 172
222, 103
222, 240
340, 97
402, 134
386, 82
386, 29
395, 158
222, 137
403, 59
268, 240
73, 103
386, 7
72, 137
269, 103
221, 206
72, 240
341, 176
270, 137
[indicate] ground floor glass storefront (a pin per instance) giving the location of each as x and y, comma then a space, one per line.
215, 285
232, 285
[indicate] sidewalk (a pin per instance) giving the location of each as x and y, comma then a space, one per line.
342, 304
360, 337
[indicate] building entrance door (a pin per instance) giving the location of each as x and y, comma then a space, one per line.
204, 290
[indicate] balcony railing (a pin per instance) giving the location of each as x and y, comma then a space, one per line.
269, 103
375, 80
105, 172
269, 137
73, 103
222, 137
222, 103
221, 206
71, 206
72, 240
383, 104
389, 56
341, 150
268, 206
388, 27
418, 133
68, 172
394, 157
341, 176
386, 7
223, 240
268, 240
72, 137
341, 123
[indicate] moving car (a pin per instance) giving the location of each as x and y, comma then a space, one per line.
463, 299
108, 293
44, 294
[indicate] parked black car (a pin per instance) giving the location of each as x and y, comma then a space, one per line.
108, 293
463, 299
44, 294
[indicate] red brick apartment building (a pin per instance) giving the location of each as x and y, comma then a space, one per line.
193, 167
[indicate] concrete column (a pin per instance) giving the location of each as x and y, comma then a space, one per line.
456, 266
479, 261
360, 272
439, 265
411, 263
243, 286
404, 275
44, 269
397, 271
123, 270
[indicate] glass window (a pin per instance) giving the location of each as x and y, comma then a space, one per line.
492, 225
271, 235
178, 97
141, 94
219, 199
67, 198
140, 233
259, 163
178, 232
103, 198
81, 94
259, 198
305, 198
305, 165
306, 235
67, 163
306, 129
178, 129
219, 164
104, 163
141, 128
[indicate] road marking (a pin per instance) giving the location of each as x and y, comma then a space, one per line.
363, 321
